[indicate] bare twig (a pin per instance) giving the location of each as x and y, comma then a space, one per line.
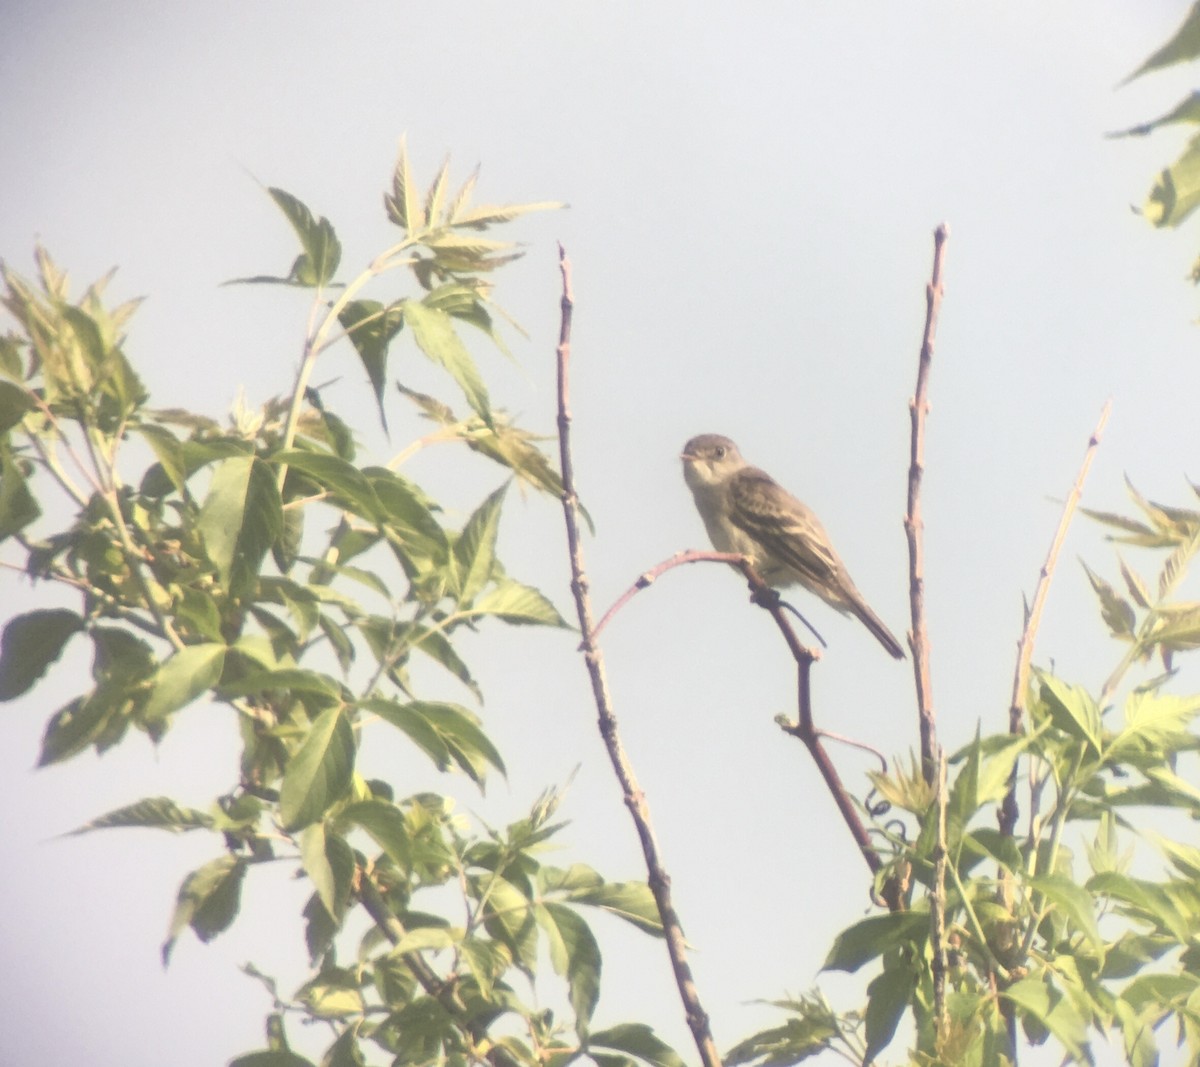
913, 523
1033, 617
659, 882
648, 578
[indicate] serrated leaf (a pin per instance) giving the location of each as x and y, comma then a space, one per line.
186, 675
208, 901
371, 328
1052, 1011
433, 330
403, 206
1075, 903
638, 1041
31, 642
1071, 709
15, 402
871, 937
18, 507
329, 863
322, 250
475, 547
574, 954
1135, 585
346, 485
435, 645
1183, 46
158, 813
1115, 610
486, 960
517, 603
319, 773
485, 215
168, 450
447, 733
240, 519
387, 826
888, 995
631, 901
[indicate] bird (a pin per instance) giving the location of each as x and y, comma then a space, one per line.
746, 511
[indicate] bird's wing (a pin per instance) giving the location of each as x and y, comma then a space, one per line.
784, 526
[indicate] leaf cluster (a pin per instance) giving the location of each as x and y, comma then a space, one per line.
260, 565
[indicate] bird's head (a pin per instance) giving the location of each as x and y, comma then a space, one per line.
710, 459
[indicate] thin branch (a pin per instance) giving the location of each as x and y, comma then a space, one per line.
648, 578
1033, 617
804, 729
914, 525
659, 882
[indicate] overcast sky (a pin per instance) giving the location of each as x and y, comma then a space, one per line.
752, 192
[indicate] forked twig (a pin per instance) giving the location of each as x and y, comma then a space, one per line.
660, 884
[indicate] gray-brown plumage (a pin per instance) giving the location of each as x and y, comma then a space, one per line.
746, 511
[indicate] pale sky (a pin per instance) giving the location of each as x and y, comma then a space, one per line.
752, 192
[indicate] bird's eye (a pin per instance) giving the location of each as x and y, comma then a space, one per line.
719, 451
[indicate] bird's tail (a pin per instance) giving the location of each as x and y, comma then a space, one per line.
882, 634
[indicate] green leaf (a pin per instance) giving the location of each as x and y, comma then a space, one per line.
317, 265
888, 995
240, 519
271, 1058
31, 642
475, 547
319, 773
386, 824
330, 865
295, 679
485, 215
575, 954
1116, 611
333, 994
1176, 194
344, 482
159, 813
433, 330
403, 204
517, 603
1071, 709
874, 935
185, 676
447, 733
636, 1040
371, 327
18, 508
486, 960
435, 645
1183, 46
631, 901
1049, 1008
1075, 902
208, 901
15, 402
168, 450
77, 724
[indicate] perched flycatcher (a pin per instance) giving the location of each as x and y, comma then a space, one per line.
746, 511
